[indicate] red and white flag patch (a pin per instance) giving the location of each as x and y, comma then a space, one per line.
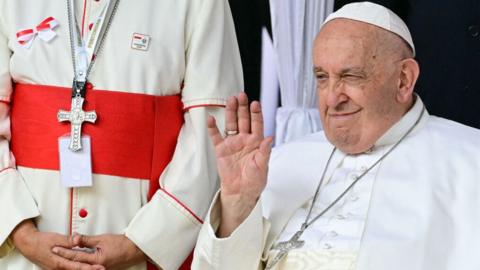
140, 42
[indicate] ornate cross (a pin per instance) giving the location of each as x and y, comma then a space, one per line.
284, 247
76, 116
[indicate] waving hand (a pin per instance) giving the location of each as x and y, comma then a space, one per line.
242, 160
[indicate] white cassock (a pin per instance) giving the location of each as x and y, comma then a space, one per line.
190, 43
418, 209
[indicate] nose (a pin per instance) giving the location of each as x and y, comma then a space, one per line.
336, 94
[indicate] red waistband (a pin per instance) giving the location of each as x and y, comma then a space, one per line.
135, 134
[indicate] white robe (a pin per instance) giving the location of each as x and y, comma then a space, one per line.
191, 42
421, 210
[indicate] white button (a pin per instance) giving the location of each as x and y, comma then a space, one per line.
333, 234
353, 177
327, 246
340, 216
354, 198
363, 168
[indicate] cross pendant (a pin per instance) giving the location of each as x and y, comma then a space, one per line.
284, 247
76, 116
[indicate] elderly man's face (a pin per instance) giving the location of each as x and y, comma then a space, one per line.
356, 85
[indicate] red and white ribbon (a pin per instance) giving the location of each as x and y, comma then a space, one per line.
44, 31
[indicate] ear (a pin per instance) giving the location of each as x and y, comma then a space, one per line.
409, 72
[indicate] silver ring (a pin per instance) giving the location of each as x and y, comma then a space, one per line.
231, 132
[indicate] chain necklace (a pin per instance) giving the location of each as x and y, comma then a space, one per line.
77, 116
73, 26
294, 242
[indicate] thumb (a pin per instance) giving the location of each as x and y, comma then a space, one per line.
85, 241
62, 240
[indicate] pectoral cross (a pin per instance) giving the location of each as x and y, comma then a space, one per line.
284, 247
76, 116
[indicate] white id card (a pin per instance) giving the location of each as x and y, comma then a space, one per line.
75, 167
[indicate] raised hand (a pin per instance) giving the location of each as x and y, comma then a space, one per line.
242, 160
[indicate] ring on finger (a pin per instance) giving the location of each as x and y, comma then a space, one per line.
231, 132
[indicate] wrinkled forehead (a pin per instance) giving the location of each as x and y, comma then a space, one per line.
346, 40
349, 30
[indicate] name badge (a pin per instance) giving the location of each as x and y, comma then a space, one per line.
75, 166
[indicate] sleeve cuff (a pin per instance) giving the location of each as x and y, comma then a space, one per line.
241, 250
165, 230
16, 203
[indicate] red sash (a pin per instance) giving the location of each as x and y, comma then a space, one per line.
134, 136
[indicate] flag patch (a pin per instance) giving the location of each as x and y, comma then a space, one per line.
140, 42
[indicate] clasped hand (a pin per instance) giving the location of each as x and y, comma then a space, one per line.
111, 251
55, 251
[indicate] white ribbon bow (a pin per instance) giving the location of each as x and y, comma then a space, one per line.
44, 31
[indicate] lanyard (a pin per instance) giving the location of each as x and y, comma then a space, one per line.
83, 58
84, 53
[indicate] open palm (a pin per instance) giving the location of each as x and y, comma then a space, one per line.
242, 156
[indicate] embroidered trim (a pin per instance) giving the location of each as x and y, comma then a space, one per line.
183, 205
203, 105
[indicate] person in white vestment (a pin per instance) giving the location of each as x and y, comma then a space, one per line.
162, 68
384, 186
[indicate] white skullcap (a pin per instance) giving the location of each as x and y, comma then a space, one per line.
377, 15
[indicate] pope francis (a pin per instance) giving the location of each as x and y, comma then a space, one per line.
385, 186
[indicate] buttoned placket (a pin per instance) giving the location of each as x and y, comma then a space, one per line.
86, 12
342, 227
347, 220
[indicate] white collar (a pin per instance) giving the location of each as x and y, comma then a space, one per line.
401, 127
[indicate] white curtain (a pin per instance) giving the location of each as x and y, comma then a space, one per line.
295, 24
269, 94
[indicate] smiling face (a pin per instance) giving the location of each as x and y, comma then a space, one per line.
360, 83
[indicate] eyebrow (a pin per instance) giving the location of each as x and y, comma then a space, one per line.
317, 69
353, 70
343, 71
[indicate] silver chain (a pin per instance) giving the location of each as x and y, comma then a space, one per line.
70, 31
307, 223
73, 24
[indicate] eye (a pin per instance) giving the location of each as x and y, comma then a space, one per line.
321, 76
322, 80
352, 77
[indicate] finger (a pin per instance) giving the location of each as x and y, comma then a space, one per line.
266, 146
76, 256
265, 149
62, 240
243, 114
231, 121
86, 241
213, 131
63, 263
257, 119
74, 240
